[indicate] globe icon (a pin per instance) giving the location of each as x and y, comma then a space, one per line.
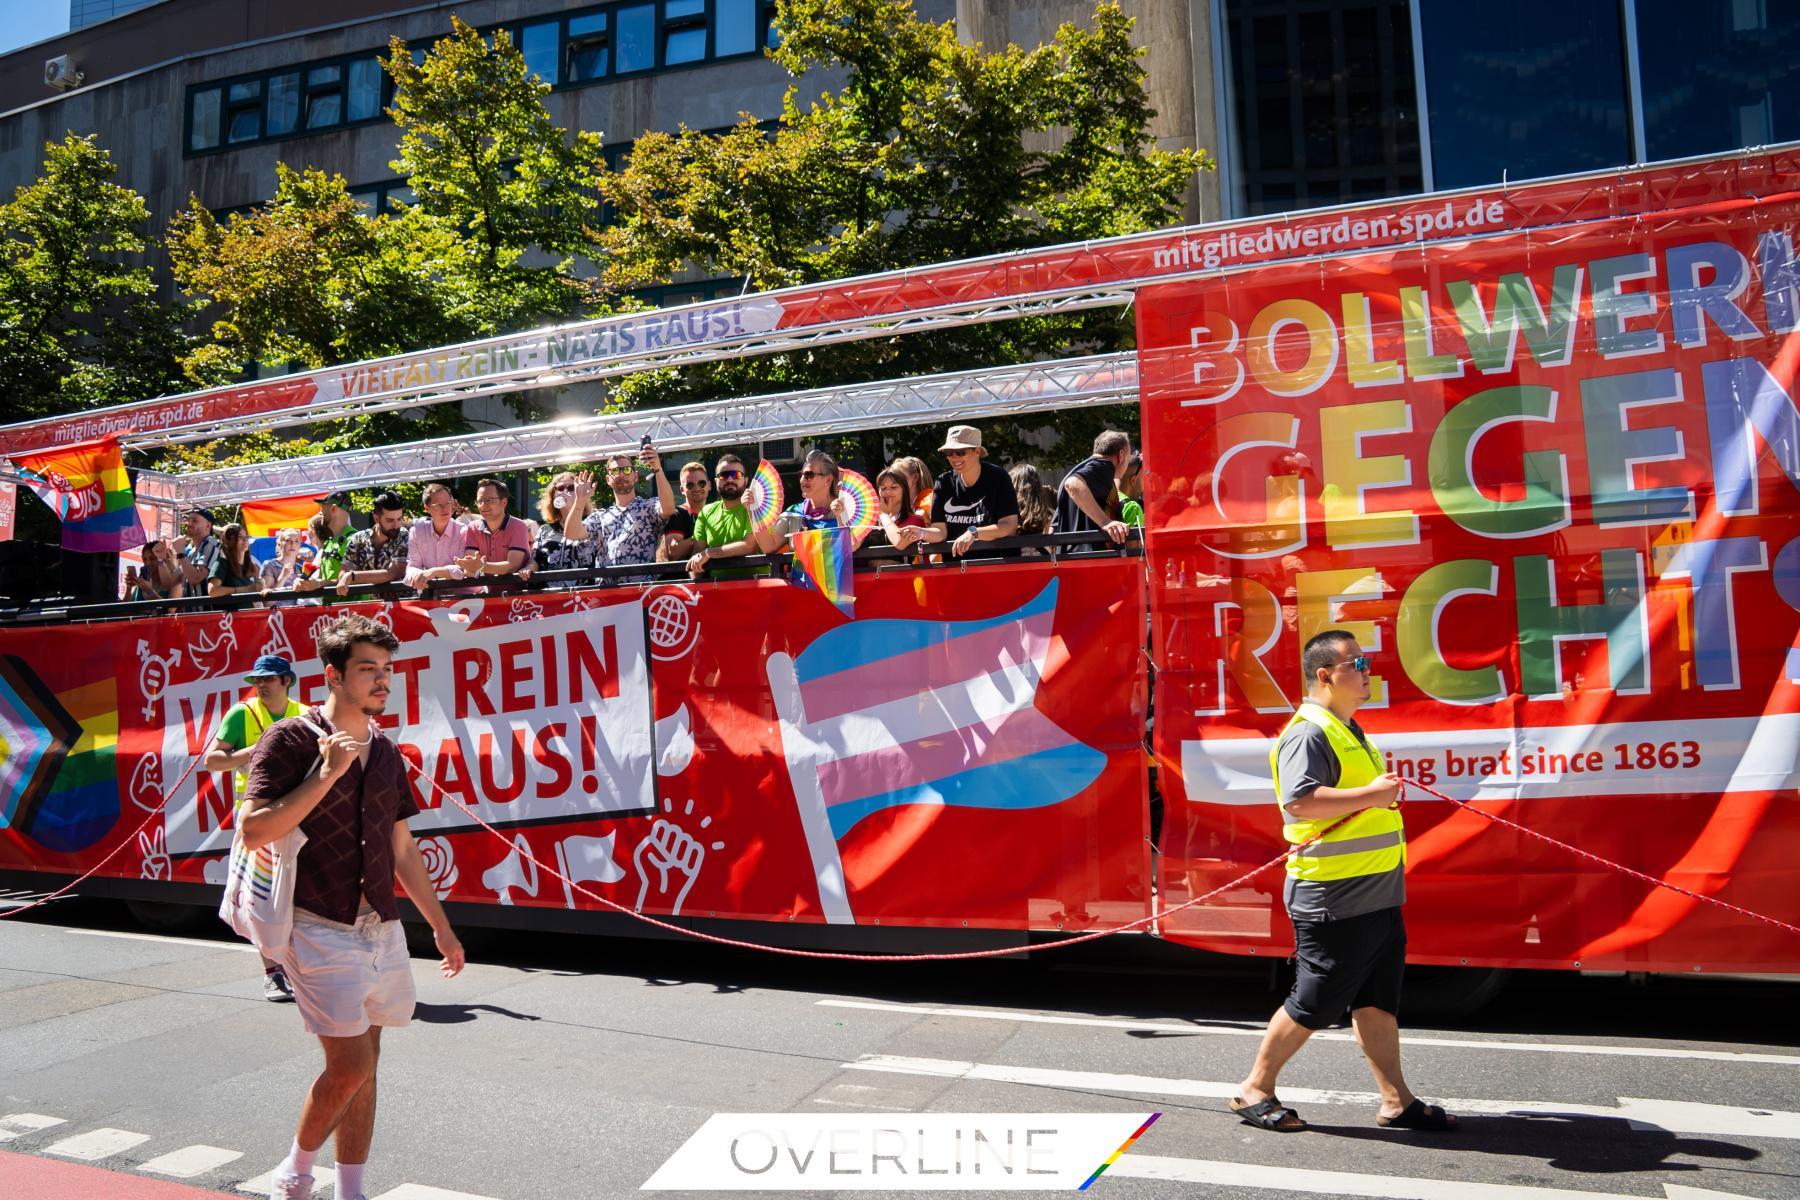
669, 621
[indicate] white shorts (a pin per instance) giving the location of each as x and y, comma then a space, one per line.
349, 977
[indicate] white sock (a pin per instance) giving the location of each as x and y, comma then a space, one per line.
349, 1179
298, 1161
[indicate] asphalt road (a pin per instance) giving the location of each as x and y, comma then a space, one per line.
564, 1068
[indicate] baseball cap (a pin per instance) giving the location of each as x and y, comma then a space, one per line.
341, 499
269, 666
202, 512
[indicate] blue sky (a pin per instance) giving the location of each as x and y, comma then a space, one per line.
25, 21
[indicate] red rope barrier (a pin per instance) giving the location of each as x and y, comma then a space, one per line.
113, 853
1597, 860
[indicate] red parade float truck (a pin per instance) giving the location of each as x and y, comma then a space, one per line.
1537, 446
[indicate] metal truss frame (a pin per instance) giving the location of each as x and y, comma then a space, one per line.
988, 392
538, 376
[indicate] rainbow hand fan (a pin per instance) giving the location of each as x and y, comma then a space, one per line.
764, 497
862, 506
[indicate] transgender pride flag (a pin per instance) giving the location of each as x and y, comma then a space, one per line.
878, 714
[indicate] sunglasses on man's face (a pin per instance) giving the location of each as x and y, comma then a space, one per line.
694, 485
1359, 663
731, 474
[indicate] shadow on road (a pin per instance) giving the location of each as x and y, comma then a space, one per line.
457, 1014
1573, 1142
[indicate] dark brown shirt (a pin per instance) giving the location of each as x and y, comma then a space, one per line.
349, 851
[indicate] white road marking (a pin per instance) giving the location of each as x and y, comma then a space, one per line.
1674, 1116
418, 1191
190, 1161
1345, 1183
96, 1144
15, 1124
1410, 1040
205, 943
323, 1177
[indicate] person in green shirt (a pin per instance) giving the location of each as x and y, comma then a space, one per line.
330, 533
244, 723
1131, 492
723, 527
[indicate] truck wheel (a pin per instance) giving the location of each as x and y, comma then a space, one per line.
159, 916
1450, 993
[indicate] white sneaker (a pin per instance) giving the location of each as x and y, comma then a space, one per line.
291, 1187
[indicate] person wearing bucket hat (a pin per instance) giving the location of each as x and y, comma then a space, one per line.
974, 501
272, 677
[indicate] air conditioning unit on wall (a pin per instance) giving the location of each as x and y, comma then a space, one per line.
61, 73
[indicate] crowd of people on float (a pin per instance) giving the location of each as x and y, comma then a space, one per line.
705, 519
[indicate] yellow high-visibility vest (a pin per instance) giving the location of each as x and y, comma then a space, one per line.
261, 718
1373, 841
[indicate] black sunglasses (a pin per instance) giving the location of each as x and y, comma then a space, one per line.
731, 474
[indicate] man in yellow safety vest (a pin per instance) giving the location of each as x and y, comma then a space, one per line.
1343, 893
244, 723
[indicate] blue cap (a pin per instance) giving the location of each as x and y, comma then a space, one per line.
269, 666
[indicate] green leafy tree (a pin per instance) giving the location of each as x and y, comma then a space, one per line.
932, 150
79, 325
485, 160
496, 242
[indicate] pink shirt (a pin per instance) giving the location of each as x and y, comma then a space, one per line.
425, 549
494, 547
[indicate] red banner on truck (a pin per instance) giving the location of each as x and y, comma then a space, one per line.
967, 752
1550, 482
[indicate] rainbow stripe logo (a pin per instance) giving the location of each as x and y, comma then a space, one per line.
59, 781
1117, 1154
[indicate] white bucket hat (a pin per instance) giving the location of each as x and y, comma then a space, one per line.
963, 437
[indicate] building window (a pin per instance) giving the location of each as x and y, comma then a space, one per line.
684, 31
324, 97
538, 44
565, 50
735, 27
1718, 76
243, 111
636, 38
1531, 89
284, 104
281, 104
587, 48
203, 120
364, 99
1323, 103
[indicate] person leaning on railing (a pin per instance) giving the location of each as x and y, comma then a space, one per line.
161, 577
376, 554
723, 528
434, 544
499, 543
235, 572
974, 500
897, 524
553, 549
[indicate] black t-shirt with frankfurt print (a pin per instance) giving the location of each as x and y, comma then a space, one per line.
961, 506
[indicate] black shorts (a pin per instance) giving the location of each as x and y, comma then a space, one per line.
1345, 965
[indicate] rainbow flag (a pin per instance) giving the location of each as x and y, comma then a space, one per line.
823, 557
59, 779
265, 518
85, 485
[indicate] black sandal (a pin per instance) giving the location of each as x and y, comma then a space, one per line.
1420, 1115
1270, 1114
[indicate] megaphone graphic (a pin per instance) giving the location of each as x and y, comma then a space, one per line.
516, 870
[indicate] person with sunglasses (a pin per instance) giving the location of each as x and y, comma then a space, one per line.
974, 500
1343, 893
679, 541
722, 528
554, 550
628, 529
